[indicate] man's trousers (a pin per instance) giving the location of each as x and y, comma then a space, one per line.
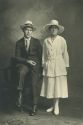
24, 71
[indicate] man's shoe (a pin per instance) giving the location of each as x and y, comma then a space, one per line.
32, 113
34, 110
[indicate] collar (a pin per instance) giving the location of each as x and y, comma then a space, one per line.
27, 38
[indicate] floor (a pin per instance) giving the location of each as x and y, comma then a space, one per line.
71, 113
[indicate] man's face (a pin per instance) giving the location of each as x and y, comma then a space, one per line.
54, 30
27, 32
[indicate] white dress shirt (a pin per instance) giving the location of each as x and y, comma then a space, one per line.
27, 42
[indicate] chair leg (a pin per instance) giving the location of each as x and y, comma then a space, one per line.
19, 103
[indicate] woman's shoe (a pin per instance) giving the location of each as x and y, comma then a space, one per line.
50, 109
56, 111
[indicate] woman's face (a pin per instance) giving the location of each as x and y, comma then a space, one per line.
53, 30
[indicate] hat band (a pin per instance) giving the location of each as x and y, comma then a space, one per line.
28, 25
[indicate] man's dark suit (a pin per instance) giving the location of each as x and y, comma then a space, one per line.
22, 55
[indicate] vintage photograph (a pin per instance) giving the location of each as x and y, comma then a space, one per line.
41, 64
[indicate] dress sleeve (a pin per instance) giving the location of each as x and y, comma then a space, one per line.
44, 55
66, 55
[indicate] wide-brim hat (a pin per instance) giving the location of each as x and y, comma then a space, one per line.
54, 23
28, 24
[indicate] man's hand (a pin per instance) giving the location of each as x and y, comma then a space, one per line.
31, 62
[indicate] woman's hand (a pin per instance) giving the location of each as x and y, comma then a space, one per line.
67, 68
44, 66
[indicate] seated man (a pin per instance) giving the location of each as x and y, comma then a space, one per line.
28, 54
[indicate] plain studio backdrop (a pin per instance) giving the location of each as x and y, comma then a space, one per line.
13, 13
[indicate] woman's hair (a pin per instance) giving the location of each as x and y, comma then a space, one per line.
52, 26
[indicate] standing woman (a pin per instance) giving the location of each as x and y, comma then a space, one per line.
55, 61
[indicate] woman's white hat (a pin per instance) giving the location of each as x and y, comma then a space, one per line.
54, 23
28, 24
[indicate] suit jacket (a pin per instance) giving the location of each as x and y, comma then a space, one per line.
34, 52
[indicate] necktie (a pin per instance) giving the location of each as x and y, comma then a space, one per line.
27, 42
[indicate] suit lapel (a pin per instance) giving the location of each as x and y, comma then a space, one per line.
31, 41
23, 45
30, 46
22, 42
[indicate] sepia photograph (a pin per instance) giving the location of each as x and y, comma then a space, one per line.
41, 63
